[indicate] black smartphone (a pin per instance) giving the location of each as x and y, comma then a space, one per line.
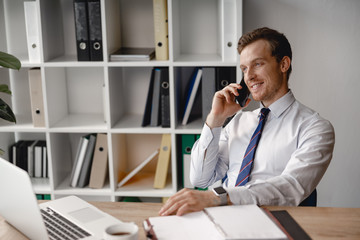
244, 93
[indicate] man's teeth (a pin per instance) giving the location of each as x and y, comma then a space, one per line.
256, 86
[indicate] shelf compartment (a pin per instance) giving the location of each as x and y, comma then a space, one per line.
129, 24
182, 78
202, 32
16, 29
21, 106
58, 31
128, 87
76, 98
130, 150
63, 150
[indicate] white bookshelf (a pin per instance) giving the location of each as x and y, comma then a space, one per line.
109, 97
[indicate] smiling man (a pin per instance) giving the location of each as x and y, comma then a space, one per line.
275, 155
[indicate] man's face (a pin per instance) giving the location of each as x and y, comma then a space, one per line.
264, 76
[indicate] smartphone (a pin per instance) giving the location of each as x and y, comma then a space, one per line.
244, 93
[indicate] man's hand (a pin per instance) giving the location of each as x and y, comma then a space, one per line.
224, 105
187, 200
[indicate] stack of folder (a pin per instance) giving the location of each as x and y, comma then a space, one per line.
31, 156
91, 166
87, 15
157, 107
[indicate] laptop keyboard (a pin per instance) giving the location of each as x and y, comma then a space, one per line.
59, 227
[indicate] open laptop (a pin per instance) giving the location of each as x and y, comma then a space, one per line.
19, 206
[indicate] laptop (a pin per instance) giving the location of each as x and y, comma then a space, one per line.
19, 207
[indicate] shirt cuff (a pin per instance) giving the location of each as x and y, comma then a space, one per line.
209, 135
240, 195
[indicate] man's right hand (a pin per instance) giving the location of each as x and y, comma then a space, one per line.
224, 105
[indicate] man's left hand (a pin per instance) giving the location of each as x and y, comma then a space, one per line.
187, 200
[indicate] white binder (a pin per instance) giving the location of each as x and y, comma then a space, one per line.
228, 28
32, 31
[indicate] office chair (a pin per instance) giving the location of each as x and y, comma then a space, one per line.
310, 201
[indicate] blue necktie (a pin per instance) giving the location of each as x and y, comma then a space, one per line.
248, 160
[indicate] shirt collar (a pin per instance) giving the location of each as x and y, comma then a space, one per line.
278, 107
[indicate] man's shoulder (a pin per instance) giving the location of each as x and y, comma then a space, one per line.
309, 116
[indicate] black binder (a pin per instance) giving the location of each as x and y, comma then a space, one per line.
95, 33
225, 76
147, 111
81, 30
155, 106
165, 100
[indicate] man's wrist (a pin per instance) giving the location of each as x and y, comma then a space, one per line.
222, 196
214, 122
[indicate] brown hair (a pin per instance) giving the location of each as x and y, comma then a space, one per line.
279, 44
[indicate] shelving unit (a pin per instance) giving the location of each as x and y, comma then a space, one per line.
109, 97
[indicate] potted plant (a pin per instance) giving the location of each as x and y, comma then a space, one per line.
7, 61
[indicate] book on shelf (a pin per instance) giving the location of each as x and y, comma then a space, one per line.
32, 30
133, 54
95, 33
191, 94
161, 29
31, 160
136, 170
86, 166
40, 157
45, 167
22, 154
36, 97
31, 156
79, 160
99, 166
14, 151
163, 163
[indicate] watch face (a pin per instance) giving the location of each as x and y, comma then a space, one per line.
219, 190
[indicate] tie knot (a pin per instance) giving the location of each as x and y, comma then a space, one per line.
265, 112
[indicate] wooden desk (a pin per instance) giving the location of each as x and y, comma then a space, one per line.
318, 222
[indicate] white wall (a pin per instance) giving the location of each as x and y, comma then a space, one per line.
325, 39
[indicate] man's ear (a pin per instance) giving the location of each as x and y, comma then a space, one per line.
285, 64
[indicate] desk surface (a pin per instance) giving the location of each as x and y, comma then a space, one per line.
318, 222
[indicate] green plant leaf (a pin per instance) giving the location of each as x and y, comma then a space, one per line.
6, 113
9, 61
5, 89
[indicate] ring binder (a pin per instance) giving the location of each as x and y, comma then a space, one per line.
94, 15
81, 30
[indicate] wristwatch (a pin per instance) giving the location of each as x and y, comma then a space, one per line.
222, 193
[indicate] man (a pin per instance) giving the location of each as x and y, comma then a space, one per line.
292, 154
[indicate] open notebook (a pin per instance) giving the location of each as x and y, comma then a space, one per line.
18, 205
215, 223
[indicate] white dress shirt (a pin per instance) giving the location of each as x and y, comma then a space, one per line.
293, 154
